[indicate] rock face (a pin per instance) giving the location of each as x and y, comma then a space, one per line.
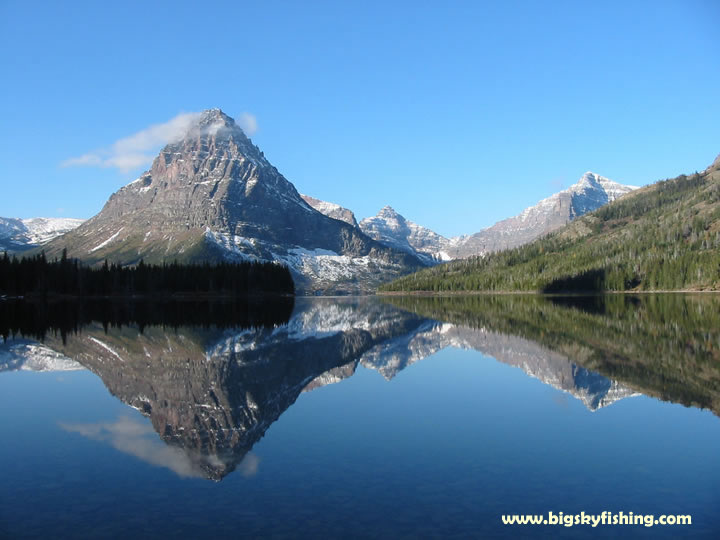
394, 230
588, 194
332, 210
22, 234
213, 195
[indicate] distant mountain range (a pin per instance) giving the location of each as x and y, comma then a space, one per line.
665, 236
590, 193
22, 234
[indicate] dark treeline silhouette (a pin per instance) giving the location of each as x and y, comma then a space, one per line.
36, 319
36, 276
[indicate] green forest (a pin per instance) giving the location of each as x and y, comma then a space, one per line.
665, 236
36, 276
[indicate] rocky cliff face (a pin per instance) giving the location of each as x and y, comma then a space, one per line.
18, 235
213, 195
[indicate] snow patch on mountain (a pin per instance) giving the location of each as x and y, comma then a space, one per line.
392, 229
106, 242
332, 210
28, 355
21, 234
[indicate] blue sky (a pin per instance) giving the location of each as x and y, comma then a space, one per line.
457, 114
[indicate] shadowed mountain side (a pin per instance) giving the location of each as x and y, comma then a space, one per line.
664, 346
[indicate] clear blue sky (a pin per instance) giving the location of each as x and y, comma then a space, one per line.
457, 114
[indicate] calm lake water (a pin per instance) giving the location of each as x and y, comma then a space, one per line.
327, 418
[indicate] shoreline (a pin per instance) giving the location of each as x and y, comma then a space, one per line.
539, 293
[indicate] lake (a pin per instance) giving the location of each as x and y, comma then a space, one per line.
393, 417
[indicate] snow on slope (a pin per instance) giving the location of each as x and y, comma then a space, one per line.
41, 230
19, 234
28, 355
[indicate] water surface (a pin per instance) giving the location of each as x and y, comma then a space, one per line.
389, 418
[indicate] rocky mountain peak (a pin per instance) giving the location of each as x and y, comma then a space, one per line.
215, 115
388, 212
589, 179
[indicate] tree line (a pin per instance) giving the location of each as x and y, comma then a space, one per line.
36, 276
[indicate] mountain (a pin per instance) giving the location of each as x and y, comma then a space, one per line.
23, 234
213, 195
394, 230
332, 210
665, 236
589, 193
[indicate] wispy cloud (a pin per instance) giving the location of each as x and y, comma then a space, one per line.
139, 149
248, 123
138, 439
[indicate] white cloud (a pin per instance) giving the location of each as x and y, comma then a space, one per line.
138, 150
248, 123
84, 160
139, 440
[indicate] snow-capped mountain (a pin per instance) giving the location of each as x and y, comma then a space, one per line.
589, 193
394, 230
22, 234
332, 210
214, 196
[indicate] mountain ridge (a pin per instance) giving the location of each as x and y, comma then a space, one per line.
590, 192
17, 235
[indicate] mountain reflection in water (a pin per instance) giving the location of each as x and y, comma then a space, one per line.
212, 391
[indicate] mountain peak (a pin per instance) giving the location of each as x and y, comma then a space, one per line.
215, 116
388, 211
590, 178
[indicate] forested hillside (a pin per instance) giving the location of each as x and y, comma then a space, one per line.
665, 236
